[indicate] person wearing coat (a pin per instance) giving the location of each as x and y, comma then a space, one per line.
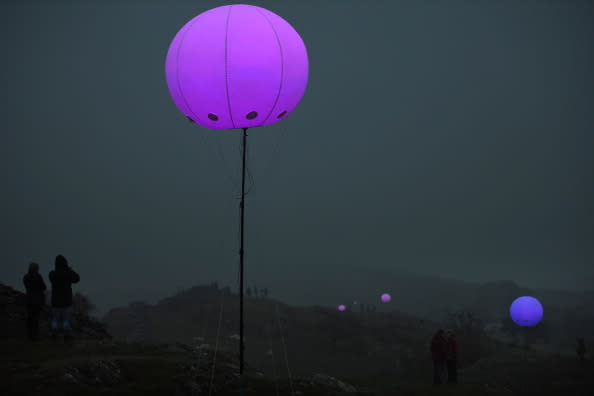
62, 278
35, 299
452, 357
581, 350
438, 353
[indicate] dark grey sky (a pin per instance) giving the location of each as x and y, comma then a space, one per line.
453, 138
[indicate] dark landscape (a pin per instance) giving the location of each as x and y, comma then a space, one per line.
169, 348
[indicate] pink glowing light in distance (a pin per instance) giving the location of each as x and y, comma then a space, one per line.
341, 307
386, 297
236, 66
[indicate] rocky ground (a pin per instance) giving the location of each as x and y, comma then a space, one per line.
83, 368
95, 364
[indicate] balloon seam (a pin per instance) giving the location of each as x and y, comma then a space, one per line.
280, 47
226, 68
181, 92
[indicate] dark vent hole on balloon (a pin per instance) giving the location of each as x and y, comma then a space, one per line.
251, 115
213, 116
282, 114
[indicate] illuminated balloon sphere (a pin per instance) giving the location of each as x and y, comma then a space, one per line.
386, 297
526, 311
236, 66
341, 307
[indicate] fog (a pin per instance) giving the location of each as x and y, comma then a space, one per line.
440, 138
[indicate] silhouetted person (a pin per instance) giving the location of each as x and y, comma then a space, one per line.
62, 278
452, 357
581, 350
248, 292
438, 352
265, 291
35, 299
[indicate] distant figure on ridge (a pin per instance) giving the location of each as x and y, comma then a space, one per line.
452, 357
62, 279
35, 299
581, 350
438, 352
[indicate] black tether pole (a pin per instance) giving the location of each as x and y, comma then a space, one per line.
242, 207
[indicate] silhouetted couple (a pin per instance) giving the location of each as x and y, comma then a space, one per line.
61, 278
444, 350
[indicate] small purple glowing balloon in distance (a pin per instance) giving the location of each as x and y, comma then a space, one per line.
386, 297
341, 307
526, 311
236, 66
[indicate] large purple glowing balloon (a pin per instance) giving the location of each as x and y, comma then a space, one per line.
526, 311
386, 297
341, 307
236, 66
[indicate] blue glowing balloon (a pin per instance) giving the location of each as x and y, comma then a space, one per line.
341, 307
526, 311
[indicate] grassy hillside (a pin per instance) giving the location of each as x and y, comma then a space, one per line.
134, 369
384, 351
327, 353
93, 364
315, 338
567, 314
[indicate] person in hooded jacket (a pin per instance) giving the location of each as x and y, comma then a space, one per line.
581, 350
452, 357
438, 352
62, 278
35, 299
